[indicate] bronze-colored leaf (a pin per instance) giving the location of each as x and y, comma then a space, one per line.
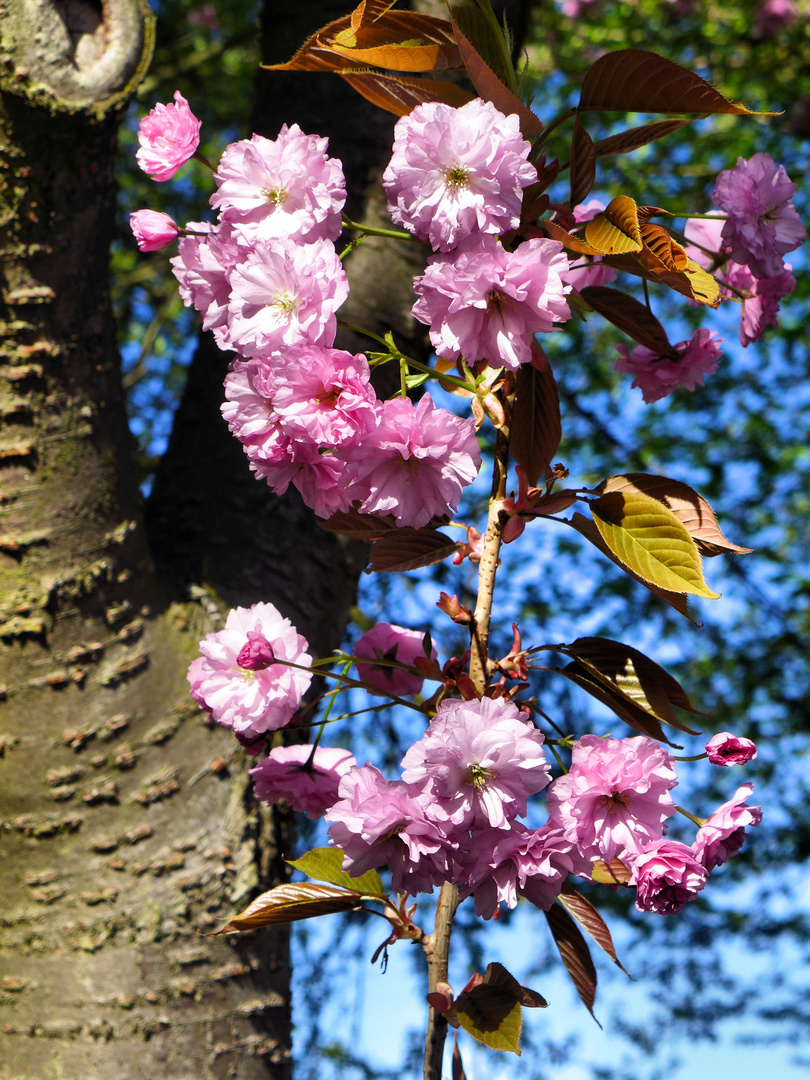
536, 428
634, 80
469, 21
497, 975
367, 11
492, 1016
583, 163
590, 920
616, 230
585, 527
291, 903
359, 526
687, 504
627, 141
398, 41
614, 873
575, 954
661, 244
569, 241
589, 678
399, 94
409, 549
631, 316
315, 54
493, 89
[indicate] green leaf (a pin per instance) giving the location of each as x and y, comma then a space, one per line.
290, 903
413, 381
325, 864
649, 539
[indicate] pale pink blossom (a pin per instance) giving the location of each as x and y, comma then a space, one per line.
385, 644
483, 302
667, 876
723, 834
482, 760
169, 135
657, 375
727, 749
285, 294
242, 680
615, 798
152, 229
379, 822
286, 188
319, 477
248, 409
762, 223
455, 172
306, 781
415, 463
202, 267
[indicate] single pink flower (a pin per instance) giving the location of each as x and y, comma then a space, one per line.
415, 463
727, 749
202, 266
482, 760
667, 876
305, 782
384, 644
169, 135
762, 223
483, 302
236, 683
657, 375
724, 833
286, 188
615, 798
455, 172
152, 229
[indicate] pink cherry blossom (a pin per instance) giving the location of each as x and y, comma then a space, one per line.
658, 375
285, 188
202, 267
482, 760
379, 822
724, 833
667, 876
727, 749
615, 798
385, 643
169, 135
259, 697
455, 172
249, 412
483, 302
415, 463
152, 229
762, 223
285, 294
305, 781
319, 477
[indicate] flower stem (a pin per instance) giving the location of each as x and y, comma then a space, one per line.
437, 951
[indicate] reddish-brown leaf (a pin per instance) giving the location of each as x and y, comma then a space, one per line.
616, 873
616, 230
491, 88
590, 920
568, 241
536, 429
359, 526
367, 11
399, 95
599, 687
686, 504
631, 316
585, 527
583, 163
497, 975
634, 80
291, 903
627, 141
408, 549
575, 954
661, 244
398, 41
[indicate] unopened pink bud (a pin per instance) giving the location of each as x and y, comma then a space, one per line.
256, 654
152, 229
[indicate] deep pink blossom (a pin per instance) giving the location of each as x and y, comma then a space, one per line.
285, 188
169, 135
249, 412
378, 822
481, 759
657, 375
285, 294
305, 782
762, 223
667, 876
615, 798
385, 643
483, 302
727, 749
724, 833
152, 229
319, 477
415, 463
250, 699
455, 172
